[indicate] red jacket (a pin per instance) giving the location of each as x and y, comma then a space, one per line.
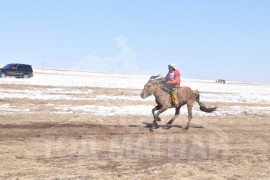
174, 78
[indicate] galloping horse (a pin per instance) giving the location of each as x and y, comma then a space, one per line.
162, 95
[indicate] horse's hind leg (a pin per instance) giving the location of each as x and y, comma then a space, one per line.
189, 115
177, 111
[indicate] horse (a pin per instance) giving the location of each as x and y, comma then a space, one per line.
162, 92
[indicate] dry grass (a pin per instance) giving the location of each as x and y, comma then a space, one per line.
41, 144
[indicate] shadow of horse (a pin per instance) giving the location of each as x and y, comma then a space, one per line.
152, 127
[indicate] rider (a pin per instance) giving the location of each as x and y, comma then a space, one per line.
173, 77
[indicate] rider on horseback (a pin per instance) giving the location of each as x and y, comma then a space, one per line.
173, 77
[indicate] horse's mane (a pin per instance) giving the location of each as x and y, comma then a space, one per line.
163, 85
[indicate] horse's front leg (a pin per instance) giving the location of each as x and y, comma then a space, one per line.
158, 107
156, 116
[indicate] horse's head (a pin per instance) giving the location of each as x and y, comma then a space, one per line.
149, 88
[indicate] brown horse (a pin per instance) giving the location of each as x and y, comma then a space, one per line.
162, 93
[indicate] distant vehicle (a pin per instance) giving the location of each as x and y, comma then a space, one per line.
222, 81
17, 70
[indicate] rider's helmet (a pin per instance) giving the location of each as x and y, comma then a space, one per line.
172, 66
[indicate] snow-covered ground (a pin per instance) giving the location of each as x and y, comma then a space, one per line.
255, 95
77, 79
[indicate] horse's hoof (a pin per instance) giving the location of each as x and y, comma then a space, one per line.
158, 119
186, 128
155, 125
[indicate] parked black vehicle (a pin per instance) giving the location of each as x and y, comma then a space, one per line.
17, 70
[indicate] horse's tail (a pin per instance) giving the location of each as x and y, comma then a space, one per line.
202, 106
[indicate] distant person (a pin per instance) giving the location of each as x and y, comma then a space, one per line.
173, 78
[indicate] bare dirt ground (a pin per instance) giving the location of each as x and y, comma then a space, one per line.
44, 144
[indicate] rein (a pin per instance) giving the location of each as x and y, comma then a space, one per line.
162, 85
165, 89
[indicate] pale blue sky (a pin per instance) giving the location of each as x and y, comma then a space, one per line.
206, 39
